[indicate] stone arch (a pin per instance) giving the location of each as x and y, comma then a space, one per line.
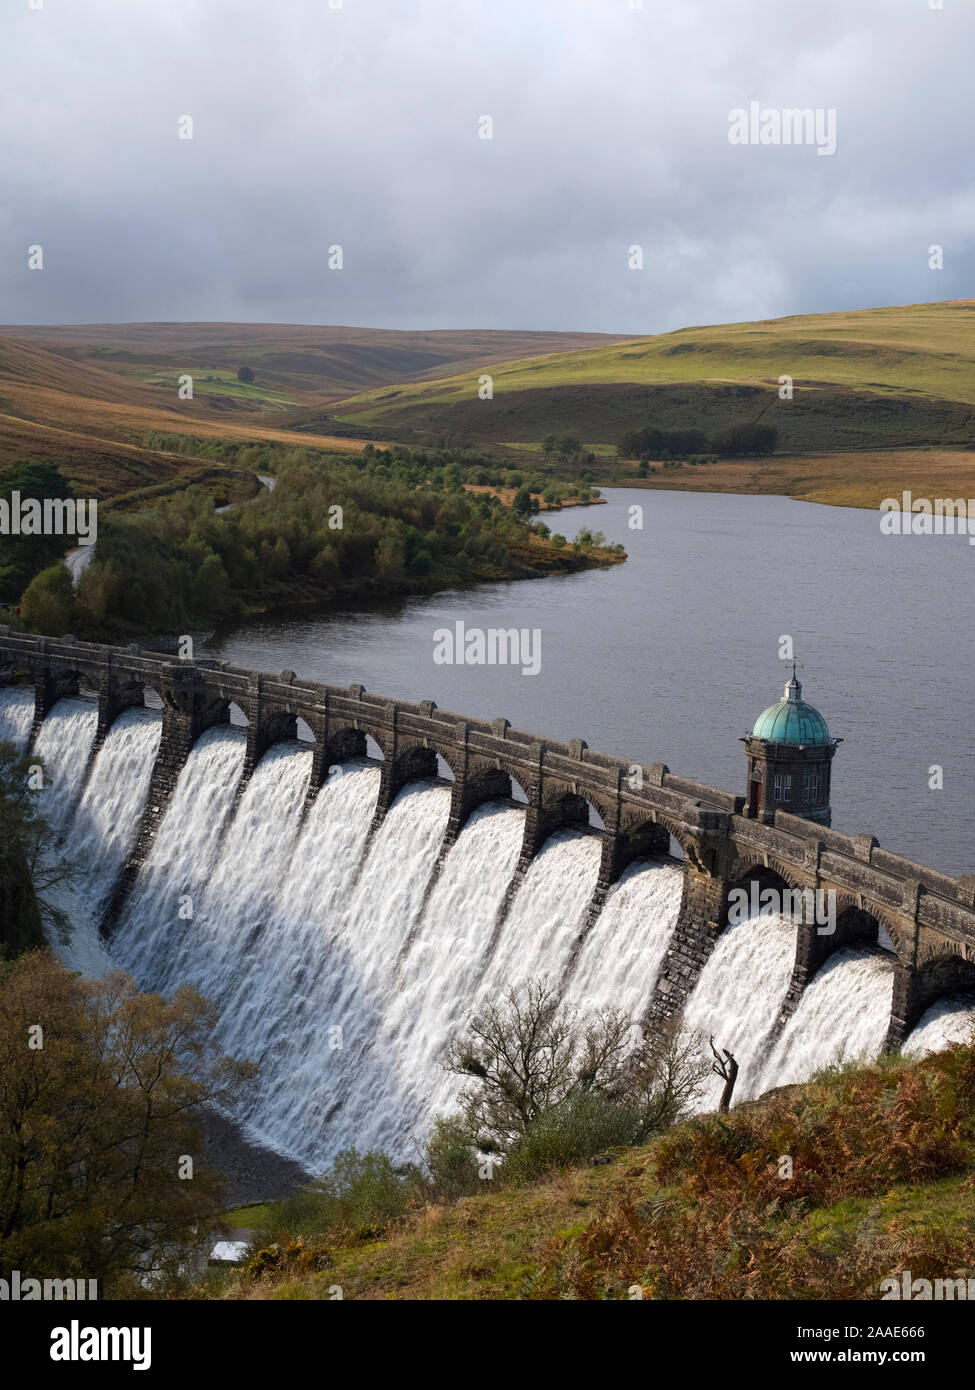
346, 743
563, 806
942, 974
418, 758
746, 872
642, 837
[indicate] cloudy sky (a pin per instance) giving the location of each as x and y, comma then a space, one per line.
359, 126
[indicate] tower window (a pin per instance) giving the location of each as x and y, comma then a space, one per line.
813, 785
783, 786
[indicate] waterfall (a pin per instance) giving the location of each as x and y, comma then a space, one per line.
106, 823
739, 995
437, 980
546, 916
153, 940
947, 1021
64, 746
342, 965
16, 715
620, 959
843, 1014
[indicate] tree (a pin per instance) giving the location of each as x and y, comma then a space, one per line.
31, 865
727, 1068
740, 441
245, 374
24, 556
550, 1086
48, 604
100, 1091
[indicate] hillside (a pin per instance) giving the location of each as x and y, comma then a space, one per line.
882, 1168
878, 377
88, 396
291, 361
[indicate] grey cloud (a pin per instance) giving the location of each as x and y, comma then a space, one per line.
358, 126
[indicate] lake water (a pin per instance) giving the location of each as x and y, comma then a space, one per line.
671, 657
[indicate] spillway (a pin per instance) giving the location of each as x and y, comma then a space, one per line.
342, 960
620, 959
64, 746
739, 996
16, 716
843, 1015
946, 1021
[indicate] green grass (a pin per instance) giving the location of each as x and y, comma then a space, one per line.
884, 1166
903, 375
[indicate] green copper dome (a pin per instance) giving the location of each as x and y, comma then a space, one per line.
792, 721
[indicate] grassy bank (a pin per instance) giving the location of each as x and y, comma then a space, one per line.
818, 1191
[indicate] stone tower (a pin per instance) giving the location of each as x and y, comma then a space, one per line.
789, 755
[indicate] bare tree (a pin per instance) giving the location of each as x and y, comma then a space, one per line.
528, 1054
727, 1068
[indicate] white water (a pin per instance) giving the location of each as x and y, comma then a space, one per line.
547, 915
344, 979
738, 997
64, 746
153, 939
437, 980
16, 715
620, 959
107, 819
947, 1021
843, 1014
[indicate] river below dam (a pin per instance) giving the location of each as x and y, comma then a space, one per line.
671, 656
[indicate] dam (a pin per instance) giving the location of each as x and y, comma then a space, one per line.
347, 876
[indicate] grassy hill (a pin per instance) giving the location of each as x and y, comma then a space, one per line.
291, 361
87, 396
880, 1179
893, 376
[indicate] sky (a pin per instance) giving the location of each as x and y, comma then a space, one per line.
360, 124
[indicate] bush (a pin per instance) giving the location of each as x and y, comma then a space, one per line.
360, 1192
583, 1125
451, 1160
742, 441
48, 604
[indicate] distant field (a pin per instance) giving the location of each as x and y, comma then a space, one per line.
839, 480
896, 376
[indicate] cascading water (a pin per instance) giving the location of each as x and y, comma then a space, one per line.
947, 1021
152, 940
16, 716
738, 997
106, 822
843, 1014
344, 976
437, 979
620, 959
365, 950
64, 746
547, 915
